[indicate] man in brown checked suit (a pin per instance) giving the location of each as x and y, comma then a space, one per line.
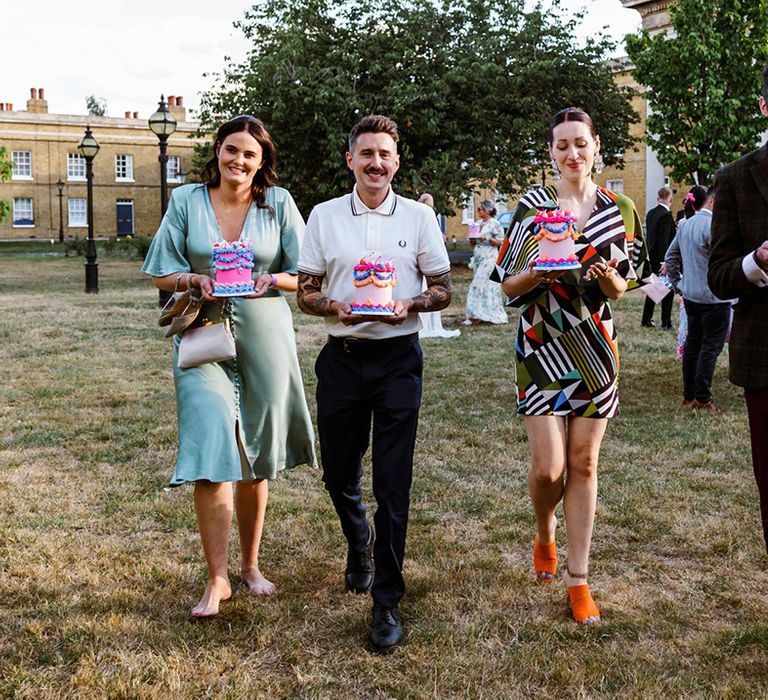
738, 267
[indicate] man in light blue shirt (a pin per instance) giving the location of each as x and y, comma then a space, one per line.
687, 261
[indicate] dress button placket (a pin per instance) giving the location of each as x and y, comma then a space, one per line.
229, 312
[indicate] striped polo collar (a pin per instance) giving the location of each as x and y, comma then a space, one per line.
386, 208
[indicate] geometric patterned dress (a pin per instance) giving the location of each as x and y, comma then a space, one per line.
566, 354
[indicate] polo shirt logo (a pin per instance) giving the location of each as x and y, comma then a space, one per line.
402, 244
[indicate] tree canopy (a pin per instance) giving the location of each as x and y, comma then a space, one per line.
703, 83
97, 106
470, 83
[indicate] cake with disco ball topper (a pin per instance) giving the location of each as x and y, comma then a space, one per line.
232, 263
555, 233
374, 281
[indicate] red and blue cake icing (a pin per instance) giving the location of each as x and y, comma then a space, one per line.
232, 264
555, 233
374, 281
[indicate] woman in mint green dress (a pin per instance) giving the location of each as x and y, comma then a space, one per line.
243, 420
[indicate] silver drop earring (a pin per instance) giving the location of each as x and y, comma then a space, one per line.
599, 163
555, 169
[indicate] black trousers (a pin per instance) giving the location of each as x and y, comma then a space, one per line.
757, 409
707, 326
666, 310
374, 384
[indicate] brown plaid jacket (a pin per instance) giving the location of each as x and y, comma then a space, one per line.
739, 226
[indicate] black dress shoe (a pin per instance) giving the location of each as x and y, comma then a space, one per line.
358, 576
648, 324
666, 326
387, 632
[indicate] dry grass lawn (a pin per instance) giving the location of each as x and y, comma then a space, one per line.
101, 564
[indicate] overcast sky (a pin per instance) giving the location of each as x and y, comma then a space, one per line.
131, 52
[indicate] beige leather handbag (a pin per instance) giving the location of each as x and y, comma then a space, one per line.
211, 342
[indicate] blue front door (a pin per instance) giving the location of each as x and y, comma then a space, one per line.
125, 218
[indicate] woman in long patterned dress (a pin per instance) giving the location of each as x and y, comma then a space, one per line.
484, 302
566, 355
242, 420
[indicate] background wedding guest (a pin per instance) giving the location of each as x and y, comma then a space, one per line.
659, 230
243, 420
566, 355
484, 298
738, 267
431, 321
707, 316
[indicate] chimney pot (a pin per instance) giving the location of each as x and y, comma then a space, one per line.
33, 93
171, 100
127, 115
135, 115
8, 107
41, 92
2, 107
180, 101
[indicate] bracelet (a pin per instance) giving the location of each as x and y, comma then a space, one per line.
190, 275
274, 280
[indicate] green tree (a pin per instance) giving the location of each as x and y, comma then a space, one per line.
97, 106
470, 83
6, 170
703, 82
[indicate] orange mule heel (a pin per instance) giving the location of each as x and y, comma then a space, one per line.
544, 561
582, 606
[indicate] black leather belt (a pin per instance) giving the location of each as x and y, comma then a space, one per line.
349, 344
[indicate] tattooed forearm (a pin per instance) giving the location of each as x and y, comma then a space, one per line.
436, 296
311, 299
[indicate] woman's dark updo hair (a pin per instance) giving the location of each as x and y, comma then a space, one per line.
570, 114
694, 200
265, 176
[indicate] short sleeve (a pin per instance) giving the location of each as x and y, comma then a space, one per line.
636, 267
497, 231
520, 247
291, 235
168, 251
433, 256
311, 258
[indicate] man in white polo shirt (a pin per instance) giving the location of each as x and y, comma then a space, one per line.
369, 373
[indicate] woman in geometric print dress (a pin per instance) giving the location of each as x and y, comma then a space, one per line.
566, 355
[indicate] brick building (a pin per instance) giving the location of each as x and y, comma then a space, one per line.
126, 171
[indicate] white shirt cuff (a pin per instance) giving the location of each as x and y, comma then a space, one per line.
753, 272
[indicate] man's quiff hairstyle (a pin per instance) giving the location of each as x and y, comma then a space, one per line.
373, 124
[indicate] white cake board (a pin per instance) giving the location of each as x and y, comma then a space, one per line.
556, 268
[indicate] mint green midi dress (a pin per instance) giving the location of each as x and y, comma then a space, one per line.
246, 418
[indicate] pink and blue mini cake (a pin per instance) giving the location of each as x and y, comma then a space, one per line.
232, 268
554, 230
374, 281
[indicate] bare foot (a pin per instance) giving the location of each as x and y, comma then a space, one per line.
256, 583
216, 590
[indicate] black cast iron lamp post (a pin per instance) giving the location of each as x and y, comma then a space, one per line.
60, 187
88, 148
163, 124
